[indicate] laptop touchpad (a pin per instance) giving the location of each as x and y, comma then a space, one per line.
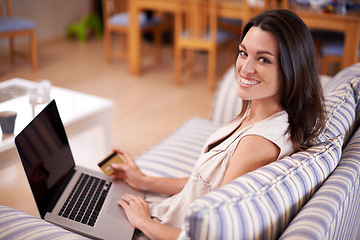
115, 209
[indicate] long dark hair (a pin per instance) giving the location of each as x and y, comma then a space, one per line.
301, 91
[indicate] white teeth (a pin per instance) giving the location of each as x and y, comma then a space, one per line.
247, 82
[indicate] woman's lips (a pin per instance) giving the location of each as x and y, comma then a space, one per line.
248, 82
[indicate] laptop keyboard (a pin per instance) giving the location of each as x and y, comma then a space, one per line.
85, 200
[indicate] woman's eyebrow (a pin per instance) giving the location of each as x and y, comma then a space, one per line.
258, 52
265, 52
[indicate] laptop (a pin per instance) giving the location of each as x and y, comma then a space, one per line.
73, 197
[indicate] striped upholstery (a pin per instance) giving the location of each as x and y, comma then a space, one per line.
355, 84
350, 75
15, 224
341, 77
340, 107
226, 103
176, 155
260, 204
334, 211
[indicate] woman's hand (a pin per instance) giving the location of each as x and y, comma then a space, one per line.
132, 175
136, 209
138, 214
128, 171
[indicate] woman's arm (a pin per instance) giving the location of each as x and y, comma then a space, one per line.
163, 185
137, 211
251, 153
130, 173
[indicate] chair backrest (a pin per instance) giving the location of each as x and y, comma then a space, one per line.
275, 4
197, 19
5, 8
114, 6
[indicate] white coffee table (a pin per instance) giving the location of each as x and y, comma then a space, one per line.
86, 118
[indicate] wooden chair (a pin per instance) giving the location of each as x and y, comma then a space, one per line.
12, 26
232, 25
196, 29
330, 47
251, 8
117, 21
332, 52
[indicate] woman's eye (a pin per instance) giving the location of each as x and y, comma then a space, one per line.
242, 53
264, 60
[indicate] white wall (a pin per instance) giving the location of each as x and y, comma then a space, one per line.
51, 16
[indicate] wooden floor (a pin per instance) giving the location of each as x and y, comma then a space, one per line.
147, 108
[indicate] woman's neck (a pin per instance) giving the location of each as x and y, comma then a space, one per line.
259, 112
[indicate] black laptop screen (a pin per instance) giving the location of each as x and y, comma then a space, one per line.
46, 156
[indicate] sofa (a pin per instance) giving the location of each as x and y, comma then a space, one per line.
312, 194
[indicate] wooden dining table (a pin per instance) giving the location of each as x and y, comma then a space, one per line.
236, 9
226, 8
349, 24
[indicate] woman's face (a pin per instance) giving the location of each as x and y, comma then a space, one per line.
258, 68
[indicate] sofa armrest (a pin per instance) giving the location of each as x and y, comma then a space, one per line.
261, 203
226, 104
344, 76
333, 212
15, 224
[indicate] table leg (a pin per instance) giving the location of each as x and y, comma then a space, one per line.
351, 45
134, 40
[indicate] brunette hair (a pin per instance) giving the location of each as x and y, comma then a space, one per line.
301, 91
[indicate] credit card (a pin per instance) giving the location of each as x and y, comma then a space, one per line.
105, 165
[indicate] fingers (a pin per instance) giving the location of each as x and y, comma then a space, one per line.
129, 198
136, 209
118, 151
119, 172
123, 204
122, 152
127, 156
118, 166
126, 200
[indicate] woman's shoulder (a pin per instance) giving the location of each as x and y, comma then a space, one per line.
275, 129
276, 121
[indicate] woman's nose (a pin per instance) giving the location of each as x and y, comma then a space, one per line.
248, 67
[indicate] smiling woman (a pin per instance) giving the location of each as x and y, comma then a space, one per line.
277, 79
281, 45
258, 70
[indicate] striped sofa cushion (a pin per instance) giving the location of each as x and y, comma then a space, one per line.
355, 84
334, 211
15, 224
340, 108
344, 76
260, 204
176, 155
226, 105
